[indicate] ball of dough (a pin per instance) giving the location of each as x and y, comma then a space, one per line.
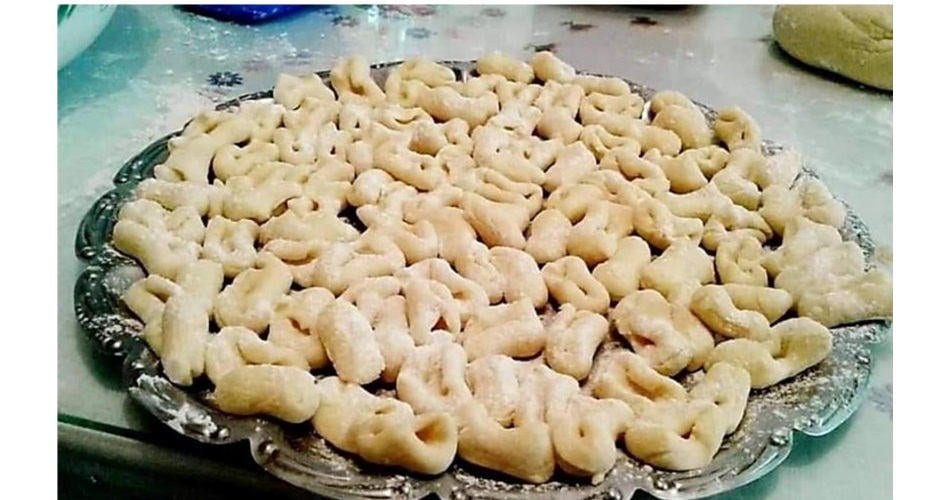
855, 41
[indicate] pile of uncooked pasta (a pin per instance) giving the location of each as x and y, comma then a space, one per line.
539, 258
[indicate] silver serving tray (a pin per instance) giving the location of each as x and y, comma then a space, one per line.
813, 403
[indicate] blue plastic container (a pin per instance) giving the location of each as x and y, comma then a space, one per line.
246, 14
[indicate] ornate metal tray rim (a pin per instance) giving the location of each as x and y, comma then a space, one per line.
840, 383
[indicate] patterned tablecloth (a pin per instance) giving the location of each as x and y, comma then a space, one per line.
154, 67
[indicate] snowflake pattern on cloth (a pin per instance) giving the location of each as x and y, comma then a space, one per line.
225, 79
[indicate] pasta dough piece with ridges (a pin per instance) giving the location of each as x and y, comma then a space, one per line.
570, 282
572, 340
666, 334
349, 342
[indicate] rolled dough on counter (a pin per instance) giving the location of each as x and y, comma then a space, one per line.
855, 41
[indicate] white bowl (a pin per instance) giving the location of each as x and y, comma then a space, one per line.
79, 26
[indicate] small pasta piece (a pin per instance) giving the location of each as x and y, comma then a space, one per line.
477, 266
773, 303
349, 342
683, 172
710, 159
795, 345
596, 236
666, 334
572, 339
690, 445
429, 305
584, 437
329, 184
172, 195
738, 260
618, 114
655, 223
739, 178
570, 282
383, 430
250, 299
293, 324
190, 154
602, 85
573, 162
236, 346
342, 264
340, 406
666, 142
699, 204
455, 234
184, 330
802, 238
730, 220
601, 142
428, 72
259, 193
495, 63
202, 281
466, 292
446, 103
867, 296
737, 129
497, 223
494, 383
232, 160
573, 200
643, 173
432, 378
377, 187
522, 451
162, 241
424, 443
417, 241
620, 273
559, 95
681, 269
728, 387
496, 187
626, 376
390, 326
667, 99
832, 285
712, 304
265, 116
285, 392
547, 66
351, 79
146, 298
557, 122
521, 276
420, 171
231, 243
300, 223
548, 235
687, 121
512, 329
783, 167
810, 199
291, 90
